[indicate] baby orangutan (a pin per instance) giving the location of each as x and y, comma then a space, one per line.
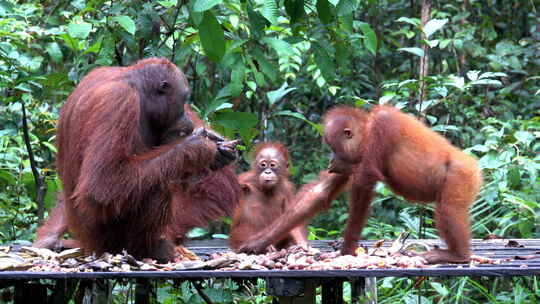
395, 148
267, 193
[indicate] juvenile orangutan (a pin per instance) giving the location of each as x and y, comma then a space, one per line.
267, 193
395, 148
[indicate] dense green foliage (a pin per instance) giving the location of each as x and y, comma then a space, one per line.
267, 70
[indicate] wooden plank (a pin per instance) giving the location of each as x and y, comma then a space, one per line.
98, 293
490, 271
222, 244
144, 291
310, 292
283, 287
30, 292
292, 291
63, 291
332, 292
364, 290
488, 248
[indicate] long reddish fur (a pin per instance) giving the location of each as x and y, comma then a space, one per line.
258, 209
130, 195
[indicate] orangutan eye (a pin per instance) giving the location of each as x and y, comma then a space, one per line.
273, 165
348, 133
163, 87
263, 165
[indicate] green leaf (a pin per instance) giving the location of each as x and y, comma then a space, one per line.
53, 49
433, 25
52, 188
168, 3
346, 22
71, 42
212, 37
524, 137
234, 20
316, 126
217, 295
343, 55
444, 43
248, 135
220, 236
513, 177
275, 96
444, 128
242, 123
126, 23
204, 5
346, 7
490, 161
323, 61
257, 21
270, 11
473, 75
487, 82
5, 6
295, 9
282, 47
442, 290
360, 102
237, 79
521, 203
259, 78
370, 40
55, 80
413, 50
456, 81
78, 28
196, 17
493, 74
7, 177
217, 104
432, 43
236, 120
51, 147
267, 67
29, 183
94, 48
324, 11
412, 21
443, 91
196, 232
386, 98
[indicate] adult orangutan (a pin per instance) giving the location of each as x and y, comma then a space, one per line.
267, 193
395, 148
135, 176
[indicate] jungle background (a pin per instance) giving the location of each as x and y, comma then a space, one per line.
267, 70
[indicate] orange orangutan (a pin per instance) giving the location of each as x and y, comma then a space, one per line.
267, 193
135, 174
395, 148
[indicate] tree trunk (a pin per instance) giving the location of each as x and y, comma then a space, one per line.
424, 61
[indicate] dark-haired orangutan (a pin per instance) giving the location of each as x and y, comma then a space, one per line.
415, 162
267, 193
135, 174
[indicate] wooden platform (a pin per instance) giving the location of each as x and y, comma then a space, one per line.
298, 286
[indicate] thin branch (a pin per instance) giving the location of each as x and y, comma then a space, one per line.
41, 190
424, 61
198, 287
174, 30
